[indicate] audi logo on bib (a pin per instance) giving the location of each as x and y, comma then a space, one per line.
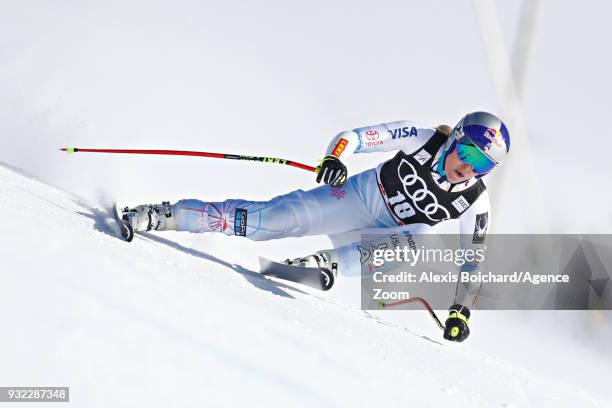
415, 196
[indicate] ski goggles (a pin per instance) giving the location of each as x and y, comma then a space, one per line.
472, 155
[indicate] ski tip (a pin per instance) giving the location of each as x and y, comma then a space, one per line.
381, 305
127, 231
264, 265
327, 279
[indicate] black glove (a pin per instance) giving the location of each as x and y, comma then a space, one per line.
457, 323
332, 172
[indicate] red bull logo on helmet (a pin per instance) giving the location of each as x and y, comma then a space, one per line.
494, 136
496, 147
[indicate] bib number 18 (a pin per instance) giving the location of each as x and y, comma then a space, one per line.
401, 207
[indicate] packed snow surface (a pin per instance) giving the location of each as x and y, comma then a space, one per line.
174, 319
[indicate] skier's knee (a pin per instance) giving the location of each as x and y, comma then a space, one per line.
188, 203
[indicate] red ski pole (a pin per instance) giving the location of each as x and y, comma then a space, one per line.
192, 153
411, 300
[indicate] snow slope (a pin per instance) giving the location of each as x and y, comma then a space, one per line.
159, 322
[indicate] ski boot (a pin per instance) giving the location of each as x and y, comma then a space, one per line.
325, 259
326, 262
158, 217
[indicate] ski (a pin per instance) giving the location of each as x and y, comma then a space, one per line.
318, 278
127, 232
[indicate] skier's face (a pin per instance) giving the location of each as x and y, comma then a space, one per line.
456, 170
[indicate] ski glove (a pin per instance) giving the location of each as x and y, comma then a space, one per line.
457, 323
332, 171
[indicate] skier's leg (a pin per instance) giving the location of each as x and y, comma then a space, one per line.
323, 210
358, 257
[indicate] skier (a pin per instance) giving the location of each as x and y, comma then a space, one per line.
435, 176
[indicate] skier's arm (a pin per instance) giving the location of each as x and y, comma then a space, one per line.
473, 227
401, 135
474, 224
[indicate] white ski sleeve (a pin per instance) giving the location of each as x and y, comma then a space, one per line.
473, 226
401, 135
